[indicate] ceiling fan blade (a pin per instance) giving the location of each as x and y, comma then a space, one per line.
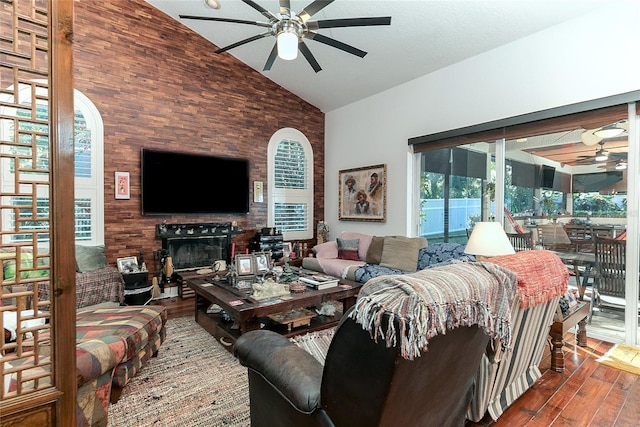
313, 8
349, 22
589, 138
245, 41
272, 58
335, 43
309, 56
235, 21
285, 7
261, 9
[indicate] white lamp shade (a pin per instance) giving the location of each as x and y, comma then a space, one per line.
489, 239
287, 45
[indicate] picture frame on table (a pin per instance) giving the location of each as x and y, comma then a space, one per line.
262, 262
286, 249
128, 264
245, 264
245, 283
362, 194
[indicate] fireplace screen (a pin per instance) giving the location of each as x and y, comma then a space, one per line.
188, 253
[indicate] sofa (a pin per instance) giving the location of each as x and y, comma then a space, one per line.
417, 369
361, 257
503, 375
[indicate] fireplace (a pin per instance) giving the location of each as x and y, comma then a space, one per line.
195, 246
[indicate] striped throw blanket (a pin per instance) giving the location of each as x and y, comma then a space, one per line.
431, 302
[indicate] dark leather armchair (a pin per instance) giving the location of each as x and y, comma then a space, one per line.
363, 383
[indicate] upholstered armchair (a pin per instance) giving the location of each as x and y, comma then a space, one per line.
420, 371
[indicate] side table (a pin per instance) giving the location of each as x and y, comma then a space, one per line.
559, 328
137, 289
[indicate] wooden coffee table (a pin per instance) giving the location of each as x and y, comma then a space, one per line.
244, 313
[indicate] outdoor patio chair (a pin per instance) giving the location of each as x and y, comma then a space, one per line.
609, 285
521, 241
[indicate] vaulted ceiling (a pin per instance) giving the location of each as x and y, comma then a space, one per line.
424, 36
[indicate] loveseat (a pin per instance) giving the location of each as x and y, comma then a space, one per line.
361, 257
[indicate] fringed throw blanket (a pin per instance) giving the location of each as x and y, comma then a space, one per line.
542, 275
431, 302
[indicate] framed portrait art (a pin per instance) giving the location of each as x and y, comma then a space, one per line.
262, 262
245, 264
362, 194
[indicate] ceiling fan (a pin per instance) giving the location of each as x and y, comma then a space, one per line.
291, 28
602, 155
594, 136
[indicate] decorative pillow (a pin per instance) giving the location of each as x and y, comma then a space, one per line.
440, 252
89, 258
402, 252
348, 249
9, 267
326, 250
374, 254
363, 244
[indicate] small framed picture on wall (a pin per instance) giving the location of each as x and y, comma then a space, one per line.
122, 185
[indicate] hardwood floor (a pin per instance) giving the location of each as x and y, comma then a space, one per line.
586, 394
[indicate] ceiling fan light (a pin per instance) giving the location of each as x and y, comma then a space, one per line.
287, 45
608, 131
621, 166
213, 4
601, 156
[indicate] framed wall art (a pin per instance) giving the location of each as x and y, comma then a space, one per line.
122, 185
362, 194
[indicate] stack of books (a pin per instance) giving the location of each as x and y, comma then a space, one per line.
320, 281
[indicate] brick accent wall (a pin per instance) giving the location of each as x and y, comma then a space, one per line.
159, 85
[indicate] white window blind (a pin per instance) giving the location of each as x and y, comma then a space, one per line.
291, 184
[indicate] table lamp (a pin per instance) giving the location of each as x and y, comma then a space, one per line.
488, 239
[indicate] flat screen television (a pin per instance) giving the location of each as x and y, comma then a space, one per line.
187, 183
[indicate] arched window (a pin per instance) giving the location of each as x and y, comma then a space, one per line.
89, 167
290, 167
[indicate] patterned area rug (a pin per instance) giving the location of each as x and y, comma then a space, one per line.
624, 357
193, 382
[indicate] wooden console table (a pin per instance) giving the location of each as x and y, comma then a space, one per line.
559, 328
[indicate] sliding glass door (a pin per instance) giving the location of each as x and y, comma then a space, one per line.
456, 191
572, 171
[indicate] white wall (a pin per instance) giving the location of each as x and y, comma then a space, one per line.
559, 66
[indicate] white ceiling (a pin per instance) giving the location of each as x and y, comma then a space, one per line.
424, 36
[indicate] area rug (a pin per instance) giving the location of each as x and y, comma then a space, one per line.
193, 382
624, 357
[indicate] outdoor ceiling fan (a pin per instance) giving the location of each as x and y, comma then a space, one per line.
291, 28
602, 155
595, 136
